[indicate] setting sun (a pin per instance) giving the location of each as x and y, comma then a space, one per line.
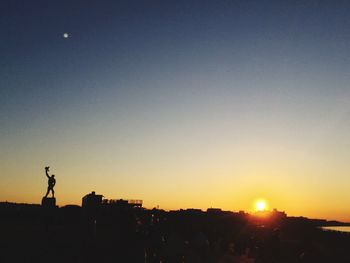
260, 205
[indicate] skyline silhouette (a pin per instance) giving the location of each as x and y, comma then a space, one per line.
120, 230
114, 230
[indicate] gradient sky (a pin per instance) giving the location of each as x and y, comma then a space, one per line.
179, 103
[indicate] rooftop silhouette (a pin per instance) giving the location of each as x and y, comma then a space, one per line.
119, 230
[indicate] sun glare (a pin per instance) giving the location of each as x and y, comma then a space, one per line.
260, 205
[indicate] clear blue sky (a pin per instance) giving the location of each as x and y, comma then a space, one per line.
179, 103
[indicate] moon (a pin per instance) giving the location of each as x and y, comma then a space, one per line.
65, 35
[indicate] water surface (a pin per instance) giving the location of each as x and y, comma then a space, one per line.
337, 228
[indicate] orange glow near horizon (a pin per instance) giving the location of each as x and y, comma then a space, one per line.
233, 192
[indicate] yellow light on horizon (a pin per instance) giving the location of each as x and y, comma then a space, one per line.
260, 205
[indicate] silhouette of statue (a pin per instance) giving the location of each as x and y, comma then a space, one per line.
51, 182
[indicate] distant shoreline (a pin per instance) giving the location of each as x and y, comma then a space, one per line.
339, 229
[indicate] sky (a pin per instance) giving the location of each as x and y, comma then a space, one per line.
183, 104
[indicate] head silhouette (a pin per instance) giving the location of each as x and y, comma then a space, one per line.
53, 176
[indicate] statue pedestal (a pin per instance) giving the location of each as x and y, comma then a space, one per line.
48, 202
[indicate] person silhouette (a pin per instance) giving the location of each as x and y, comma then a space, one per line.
51, 182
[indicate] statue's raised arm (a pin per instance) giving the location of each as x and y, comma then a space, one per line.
47, 168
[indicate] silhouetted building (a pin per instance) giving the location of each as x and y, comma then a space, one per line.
214, 210
193, 211
91, 200
278, 214
122, 203
135, 202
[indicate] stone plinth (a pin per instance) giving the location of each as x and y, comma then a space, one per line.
48, 202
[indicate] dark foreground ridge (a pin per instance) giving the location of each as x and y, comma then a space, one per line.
123, 231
